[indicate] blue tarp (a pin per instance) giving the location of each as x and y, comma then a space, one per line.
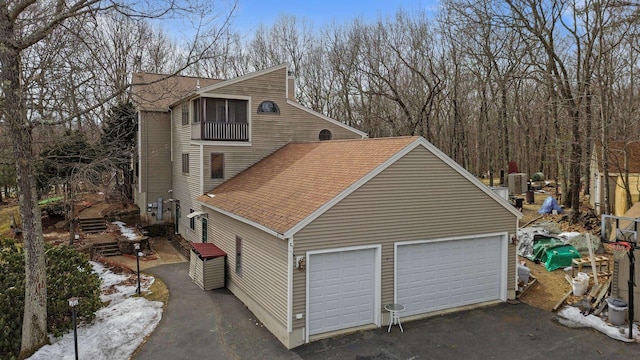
549, 205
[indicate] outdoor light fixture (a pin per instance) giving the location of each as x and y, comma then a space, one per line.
136, 246
73, 302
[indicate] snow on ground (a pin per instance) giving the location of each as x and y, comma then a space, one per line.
571, 316
126, 231
118, 329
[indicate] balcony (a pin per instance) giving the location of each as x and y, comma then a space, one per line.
220, 131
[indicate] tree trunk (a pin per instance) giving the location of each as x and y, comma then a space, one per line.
589, 142
576, 156
34, 324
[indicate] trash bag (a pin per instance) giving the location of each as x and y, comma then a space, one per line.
549, 205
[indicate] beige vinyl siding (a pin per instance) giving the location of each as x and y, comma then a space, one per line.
417, 198
620, 193
623, 286
208, 273
154, 175
186, 187
264, 263
269, 132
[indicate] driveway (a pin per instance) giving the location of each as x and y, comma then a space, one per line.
215, 325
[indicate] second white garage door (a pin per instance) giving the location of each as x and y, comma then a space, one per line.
341, 290
432, 276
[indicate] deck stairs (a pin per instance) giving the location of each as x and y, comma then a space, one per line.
93, 225
107, 248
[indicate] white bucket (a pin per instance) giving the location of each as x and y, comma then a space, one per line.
580, 284
523, 274
617, 311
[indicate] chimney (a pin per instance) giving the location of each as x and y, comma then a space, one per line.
291, 86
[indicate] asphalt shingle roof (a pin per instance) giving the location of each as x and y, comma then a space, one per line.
287, 186
155, 92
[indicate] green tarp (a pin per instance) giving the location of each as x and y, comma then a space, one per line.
554, 253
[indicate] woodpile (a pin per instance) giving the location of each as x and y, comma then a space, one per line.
587, 221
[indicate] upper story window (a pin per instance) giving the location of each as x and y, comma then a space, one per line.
217, 166
212, 110
325, 134
197, 111
185, 114
192, 221
268, 107
220, 119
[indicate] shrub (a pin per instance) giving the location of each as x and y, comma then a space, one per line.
69, 274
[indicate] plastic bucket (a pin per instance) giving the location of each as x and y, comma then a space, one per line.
580, 284
617, 311
578, 287
523, 273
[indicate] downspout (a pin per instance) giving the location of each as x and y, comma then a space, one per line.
140, 152
290, 267
202, 172
516, 256
171, 140
172, 210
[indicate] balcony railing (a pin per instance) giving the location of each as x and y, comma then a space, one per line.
218, 131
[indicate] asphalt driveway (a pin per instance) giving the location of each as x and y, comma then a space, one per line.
214, 324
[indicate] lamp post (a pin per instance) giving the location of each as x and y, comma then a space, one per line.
136, 246
73, 302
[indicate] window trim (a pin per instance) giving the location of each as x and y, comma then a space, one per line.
211, 155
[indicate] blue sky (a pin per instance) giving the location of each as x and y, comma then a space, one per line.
251, 13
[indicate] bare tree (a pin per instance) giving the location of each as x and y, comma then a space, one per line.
488, 82
26, 27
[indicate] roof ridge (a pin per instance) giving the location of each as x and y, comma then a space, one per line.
177, 75
387, 138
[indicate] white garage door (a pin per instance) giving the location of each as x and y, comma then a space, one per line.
447, 274
341, 290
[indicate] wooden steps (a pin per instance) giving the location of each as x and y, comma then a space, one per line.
93, 225
107, 249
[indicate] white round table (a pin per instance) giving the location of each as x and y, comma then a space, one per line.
394, 315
